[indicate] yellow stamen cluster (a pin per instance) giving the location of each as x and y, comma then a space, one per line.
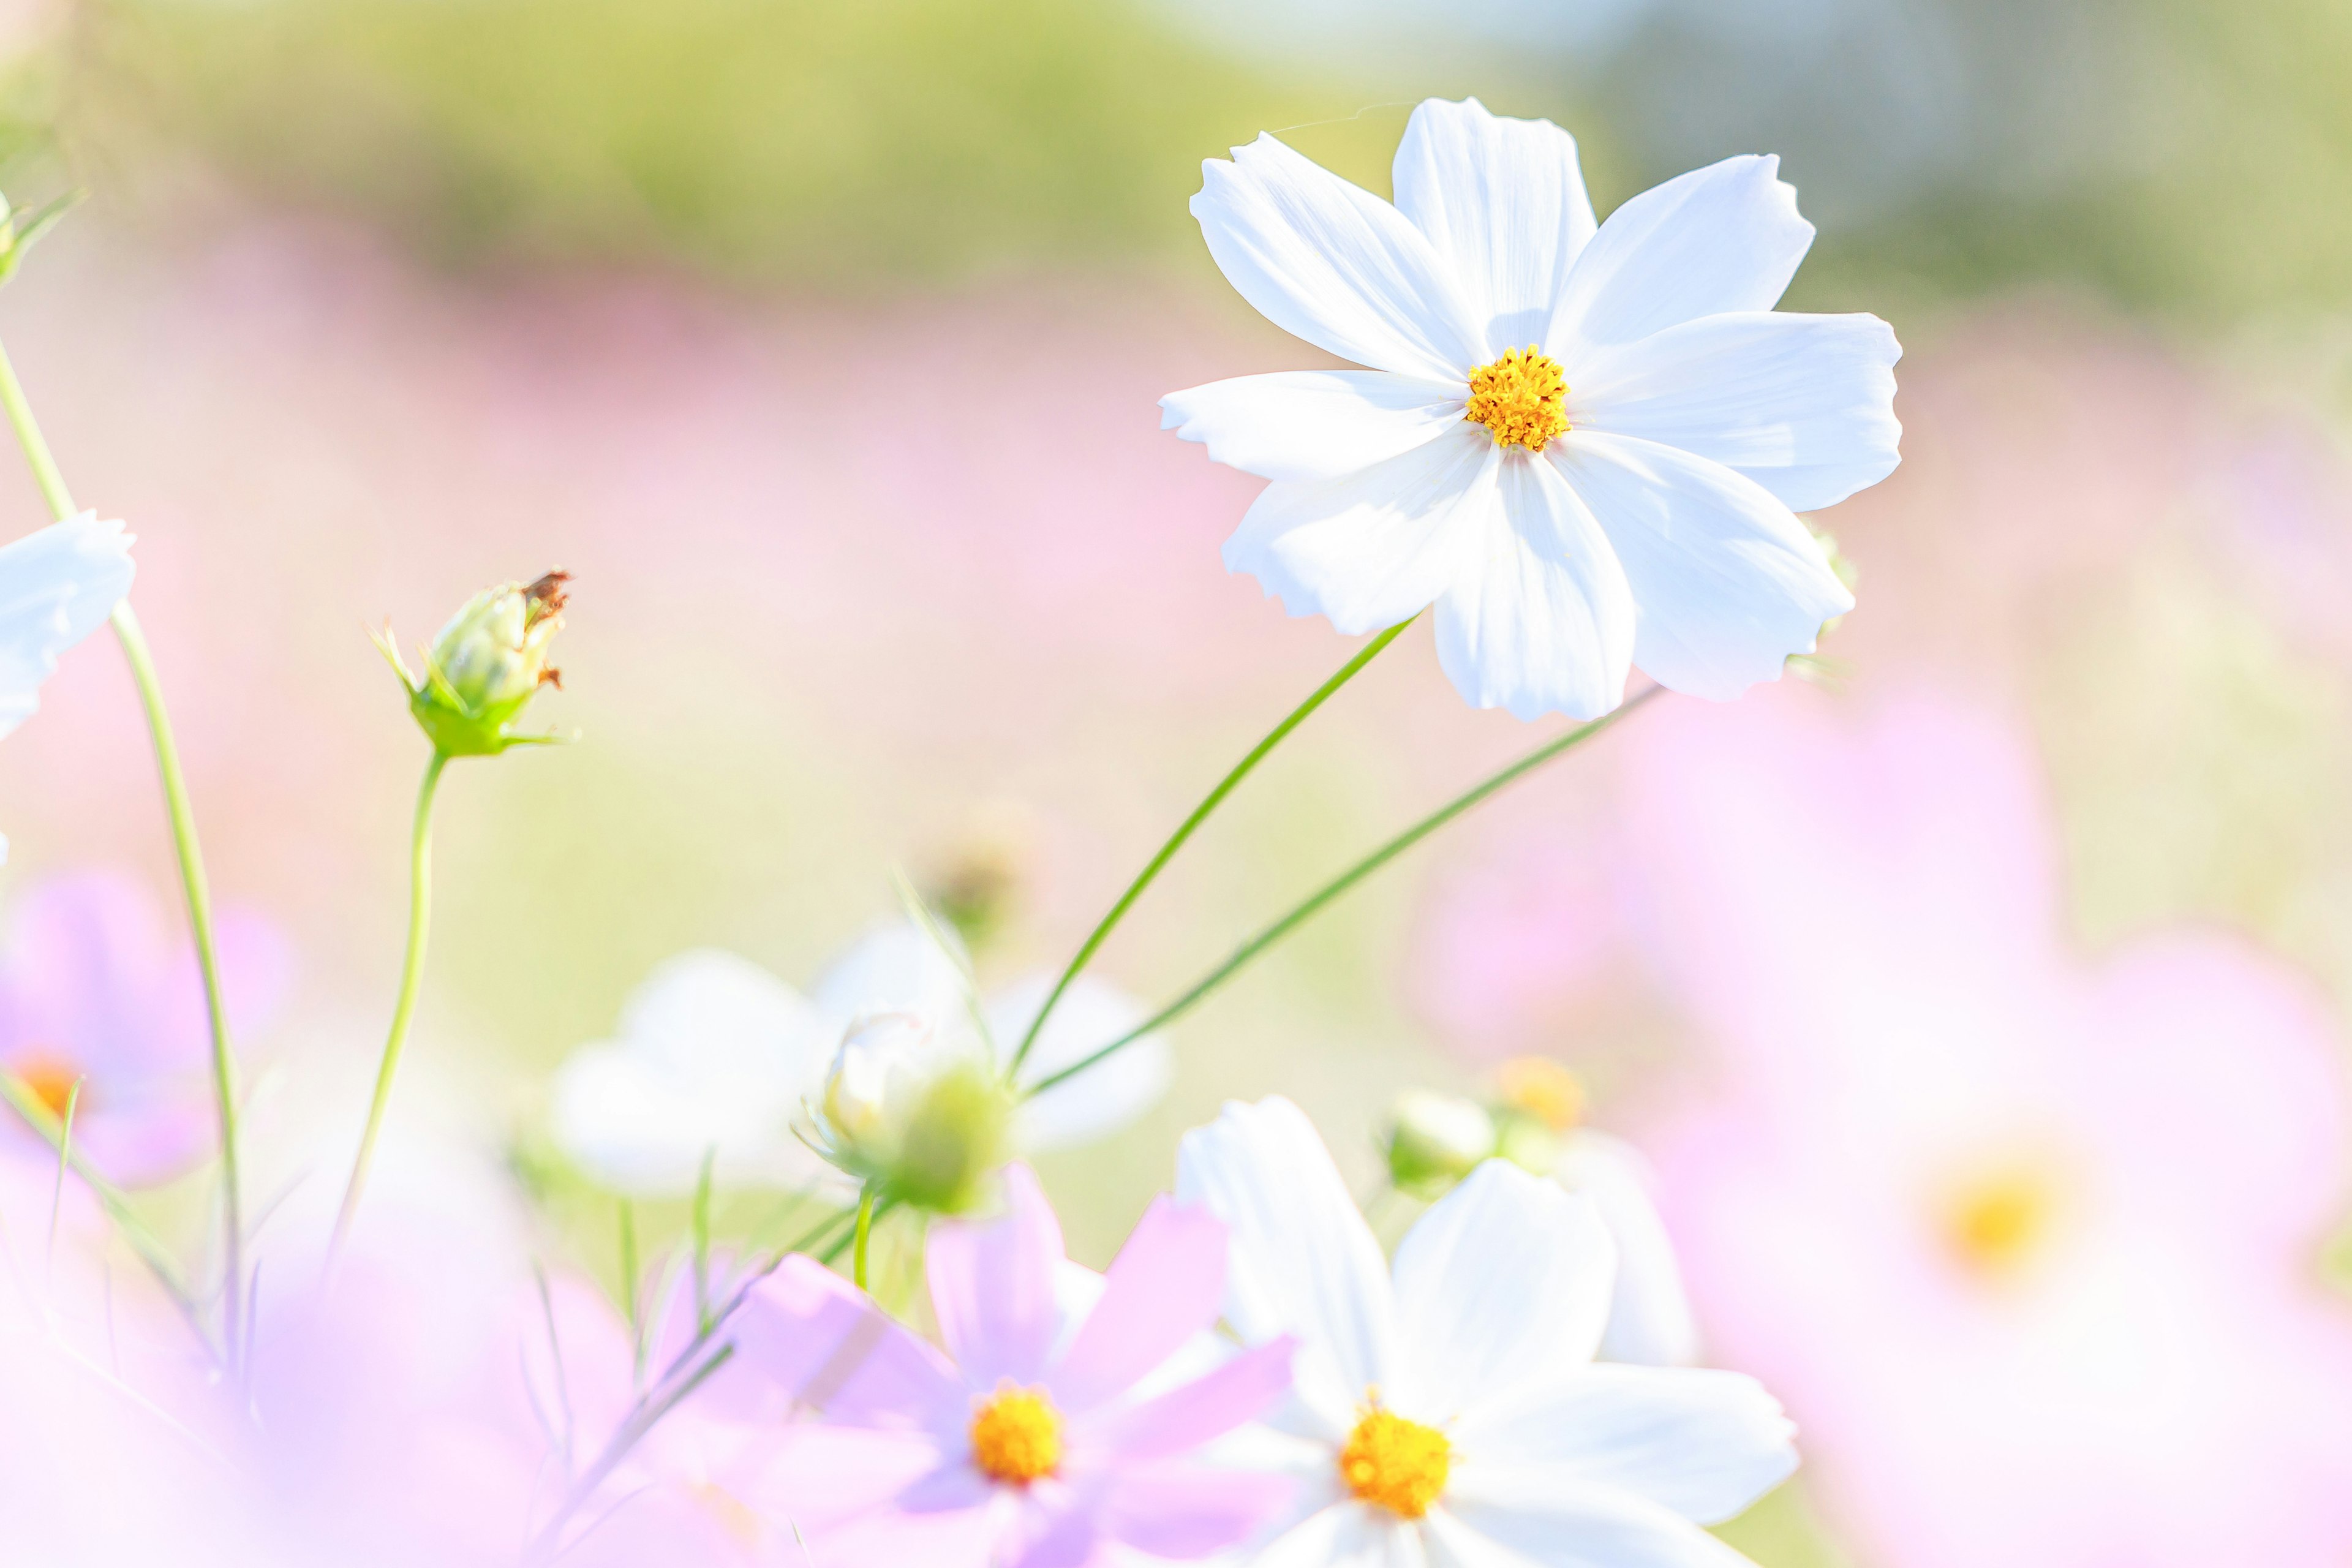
1016, 1438
1994, 1225
1399, 1464
1521, 397
1542, 1088
51, 1078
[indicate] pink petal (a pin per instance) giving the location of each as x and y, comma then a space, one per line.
1185, 1512
833, 1350
945, 1490
1182, 1419
1163, 1288
992, 1286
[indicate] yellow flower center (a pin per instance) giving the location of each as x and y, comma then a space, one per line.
1396, 1463
1521, 397
1542, 1088
1996, 1224
1017, 1437
51, 1078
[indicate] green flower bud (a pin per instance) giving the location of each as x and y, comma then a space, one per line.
921, 1121
1434, 1141
485, 667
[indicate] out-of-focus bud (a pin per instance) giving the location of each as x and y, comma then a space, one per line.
19, 231
923, 1122
981, 881
1538, 1102
1435, 1140
485, 667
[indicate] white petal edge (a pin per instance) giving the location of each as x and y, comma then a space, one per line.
1504, 202
58, 585
1802, 404
1303, 1261
1725, 237
1727, 583
1586, 1528
1308, 425
1539, 618
1701, 1444
1106, 1097
1504, 1282
1650, 1318
1376, 547
1331, 263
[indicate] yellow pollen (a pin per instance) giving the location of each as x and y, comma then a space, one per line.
1521, 397
1995, 1225
1396, 1463
51, 1078
1017, 1437
1542, 1088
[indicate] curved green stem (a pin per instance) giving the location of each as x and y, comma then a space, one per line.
1214, 798
412, 980
194, 884
1314, 902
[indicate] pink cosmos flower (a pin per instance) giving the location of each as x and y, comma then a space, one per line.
2027, 1242
1052, 1443
94, 991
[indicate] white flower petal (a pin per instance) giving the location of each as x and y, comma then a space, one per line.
1504, 1282
1725, 237
1304, 1262
713, 1053
1379, 546
1541, 619
1582, 1527
1313, 424
1329, 262
1345, 1535
57, 587
897, 966
1503, 201
1727, 582
1650, 1320
1701, 1444
1105, 1097
1802, 404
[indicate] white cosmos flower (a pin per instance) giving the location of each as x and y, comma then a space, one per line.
1585, 443
57, 587
716, 1057
1650, 1319
1452, 1415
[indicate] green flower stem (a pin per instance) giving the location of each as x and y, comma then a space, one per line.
1345, 879
412, 980
1215, 798
864, 1234
193, 882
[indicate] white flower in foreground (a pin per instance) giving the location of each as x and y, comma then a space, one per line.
57, 587
1585, 443
716, 1057
1454, 1414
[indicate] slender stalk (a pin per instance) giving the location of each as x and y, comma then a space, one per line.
1314, 902
1176, 841
864, 1234
194, 884
412, 980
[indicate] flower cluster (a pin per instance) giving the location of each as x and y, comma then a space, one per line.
1583, 443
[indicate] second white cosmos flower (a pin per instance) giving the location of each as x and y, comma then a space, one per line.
1584, 443
1454, 1414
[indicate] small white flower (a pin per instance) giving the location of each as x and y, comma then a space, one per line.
1454, 1414
1584, 443
717, 1056
57, 587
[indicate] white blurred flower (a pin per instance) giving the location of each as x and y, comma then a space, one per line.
716, 1054
1453, 1412
1650, 1318
57, 587
1584, 443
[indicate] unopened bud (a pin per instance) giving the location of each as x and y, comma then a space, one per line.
486, 666
1435, 1140
924, 1122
